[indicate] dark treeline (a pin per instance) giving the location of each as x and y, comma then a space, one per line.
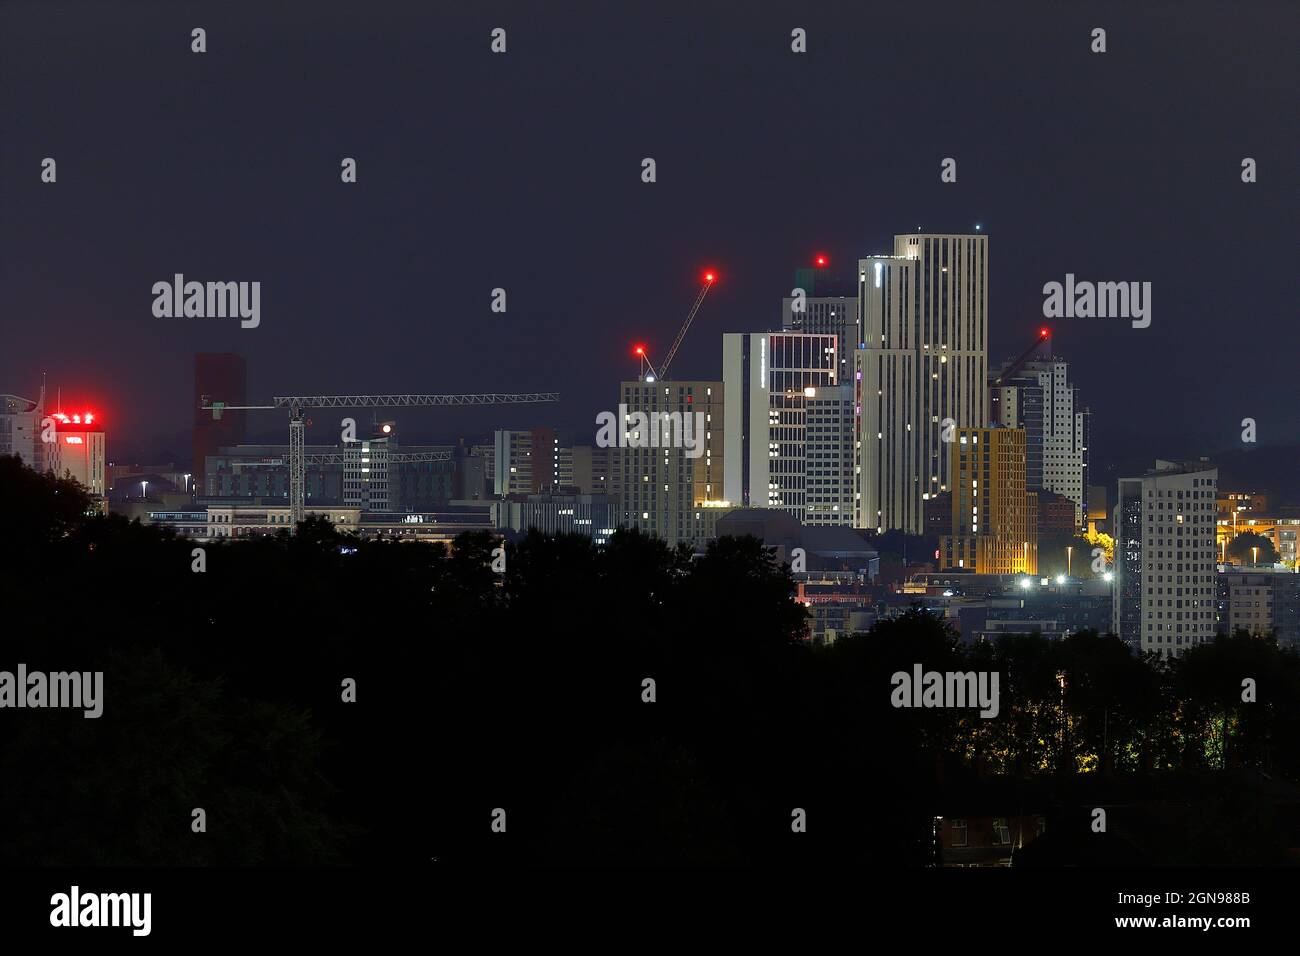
523, 691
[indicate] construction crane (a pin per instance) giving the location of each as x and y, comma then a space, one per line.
1015, 366
298, 404
649, 376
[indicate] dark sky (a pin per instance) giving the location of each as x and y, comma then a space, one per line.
523, 171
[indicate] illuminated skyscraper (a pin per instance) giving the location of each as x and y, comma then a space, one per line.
923, 316
78, 449
994, 517
769, 379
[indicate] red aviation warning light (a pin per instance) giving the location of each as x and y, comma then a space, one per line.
86, 418
710, 277
638, 350
820, 261
1044, 333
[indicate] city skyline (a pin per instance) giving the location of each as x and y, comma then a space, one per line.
360, 268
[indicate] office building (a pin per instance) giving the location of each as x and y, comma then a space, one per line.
78, 450
367, 474
20, 429
593, 516
1261, 602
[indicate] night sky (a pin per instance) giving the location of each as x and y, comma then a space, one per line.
523, 171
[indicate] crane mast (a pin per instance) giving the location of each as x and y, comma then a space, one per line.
690, 317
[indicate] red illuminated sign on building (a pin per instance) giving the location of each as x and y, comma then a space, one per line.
82, 419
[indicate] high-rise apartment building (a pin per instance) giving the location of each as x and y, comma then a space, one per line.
593, 469
831, 434
1034, 393
769, 379
1164, 574
994, 516
664, 485
829, 306
528, 462
923, 318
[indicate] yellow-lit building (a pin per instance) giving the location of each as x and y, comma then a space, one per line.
1284, 533
994, 517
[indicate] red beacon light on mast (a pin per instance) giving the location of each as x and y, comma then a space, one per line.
820, 261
